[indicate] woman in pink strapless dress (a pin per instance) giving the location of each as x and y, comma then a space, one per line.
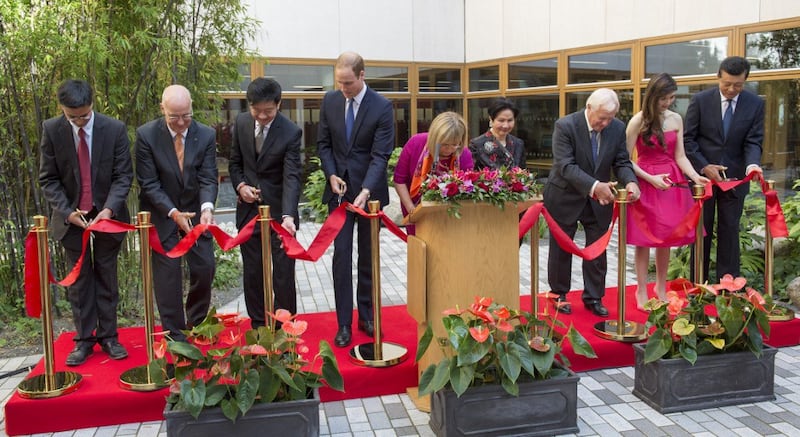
656, 133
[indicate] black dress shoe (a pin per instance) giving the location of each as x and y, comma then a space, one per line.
368, 327
79, 355
597, 308
114, 350
562, 305
343, 336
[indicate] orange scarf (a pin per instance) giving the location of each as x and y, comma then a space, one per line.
424, 165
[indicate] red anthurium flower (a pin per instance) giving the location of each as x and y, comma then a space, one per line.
675, 304
680, 284
303, 349
756, 299
296, 328
221, 368
710, 310
175, 387
252, 349
479, 333
282, 315
160, 348
538, 344
483, 301
231, 338
228, 381
484, 315
202, 340
228, 319
452, 312
728, 282
502, 313
182, 362
504, 326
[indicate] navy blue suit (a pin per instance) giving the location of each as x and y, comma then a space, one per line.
705, 144
566, 196
361, 163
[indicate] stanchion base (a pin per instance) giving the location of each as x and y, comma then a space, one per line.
138, 379
364, 355
781, 314
35, 387
631, 332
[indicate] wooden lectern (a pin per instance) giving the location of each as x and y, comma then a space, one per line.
452, 260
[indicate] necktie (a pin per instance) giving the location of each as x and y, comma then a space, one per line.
349, 119
179, 150
727, 118
595, 146
85, 165
259, 139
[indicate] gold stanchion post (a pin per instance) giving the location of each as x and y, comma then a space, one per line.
150, 376
266, 265
621, 329
378, 353
50, 384
778, 313
697, 194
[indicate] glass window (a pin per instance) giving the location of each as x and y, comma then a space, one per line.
484, 78
402, 121
542, 72
387, 79
534, 126
600, 67
577, 100
244, 71
700, 56
774, 49
478, 121
428, 109
294, 78
439, 80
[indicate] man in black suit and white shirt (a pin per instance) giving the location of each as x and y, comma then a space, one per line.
85, 146
265, 169
355, 141
587, 146
177, 172
724, 129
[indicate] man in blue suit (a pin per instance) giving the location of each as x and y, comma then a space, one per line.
587, 146
354, 142
723, 132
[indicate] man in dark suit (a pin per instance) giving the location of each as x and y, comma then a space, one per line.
265, 169
587, 146
355, 141
723, 132
85, 173
177, 172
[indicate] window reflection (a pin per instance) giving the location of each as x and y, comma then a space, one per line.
387, 79
537, 118
298, 78
439, 80
428, 109
700, 56
775, 49
484, 78
542, 72
600, 67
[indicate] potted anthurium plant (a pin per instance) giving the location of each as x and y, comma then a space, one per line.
509, 357
244, 381
495, 186
701, 337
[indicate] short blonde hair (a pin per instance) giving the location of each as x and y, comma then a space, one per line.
448, 128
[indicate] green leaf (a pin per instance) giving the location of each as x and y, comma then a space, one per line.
185, 349
688, 353
426, 379
435, 377
579, 343
424, 342
269, 385
247, 390
230, 409
543, 361
509, 362
460, 377
510, 386
524, 352
756, 344
470, 351
657, 346
194, 396
330, 368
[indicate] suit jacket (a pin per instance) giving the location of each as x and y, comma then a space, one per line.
362, 161
59, 172
276, 170
160, 180
574, 173
704, 141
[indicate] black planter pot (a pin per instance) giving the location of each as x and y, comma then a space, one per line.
545, 407
285, 419
670, 385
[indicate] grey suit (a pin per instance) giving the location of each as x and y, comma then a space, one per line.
163, 188
566, 196
95, 294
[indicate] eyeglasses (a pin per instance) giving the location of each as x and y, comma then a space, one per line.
86, 116
184, 117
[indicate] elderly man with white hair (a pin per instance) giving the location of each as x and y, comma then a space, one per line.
587, 146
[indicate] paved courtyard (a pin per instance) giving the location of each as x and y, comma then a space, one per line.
606, 406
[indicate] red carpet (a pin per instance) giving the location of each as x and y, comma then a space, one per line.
99, 401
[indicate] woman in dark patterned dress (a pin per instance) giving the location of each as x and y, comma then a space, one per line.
497, 147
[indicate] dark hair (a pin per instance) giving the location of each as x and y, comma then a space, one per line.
263, 89
661, 85
734, 65
499, 105
75, 93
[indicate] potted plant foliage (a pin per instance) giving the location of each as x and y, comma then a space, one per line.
229, 382
503, 373
707, 348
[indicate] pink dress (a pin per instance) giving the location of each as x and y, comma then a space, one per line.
653, 218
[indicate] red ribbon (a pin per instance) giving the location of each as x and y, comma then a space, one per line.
33, 298
225, 241
589, 253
